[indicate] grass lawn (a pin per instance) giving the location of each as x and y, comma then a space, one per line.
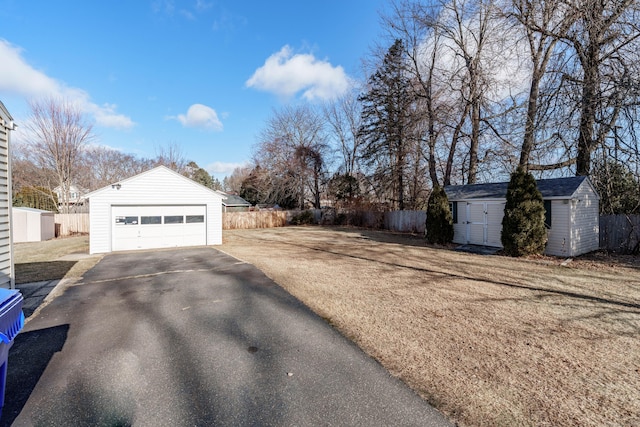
488, 340
38, 261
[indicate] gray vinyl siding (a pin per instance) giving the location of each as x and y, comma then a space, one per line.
460, 228
559, 235
574, 221
585, 221
6, 254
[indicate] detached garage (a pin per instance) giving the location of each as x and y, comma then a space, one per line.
158, 208
571, 214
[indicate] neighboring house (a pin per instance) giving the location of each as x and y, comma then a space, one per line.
571, 214
7, 278
234, 203
158, 208
32, 225
76, 195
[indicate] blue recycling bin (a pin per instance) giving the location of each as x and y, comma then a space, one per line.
11, 322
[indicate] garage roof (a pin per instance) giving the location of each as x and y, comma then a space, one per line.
157, 169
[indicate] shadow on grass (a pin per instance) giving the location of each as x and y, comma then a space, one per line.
446, 273
28, 358
39, 271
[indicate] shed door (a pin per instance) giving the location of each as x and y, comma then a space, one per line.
149, 227
484, 223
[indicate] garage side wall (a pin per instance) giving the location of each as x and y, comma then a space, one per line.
214, 222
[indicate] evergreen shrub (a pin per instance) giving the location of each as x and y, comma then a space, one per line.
523, 229
439, 225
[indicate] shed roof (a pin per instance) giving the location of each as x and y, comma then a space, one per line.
26, 209
549, 188
233, 200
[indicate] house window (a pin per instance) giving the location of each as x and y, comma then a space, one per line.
126, 220
547, 213
192, 219
146, 220
173, 219
453, 207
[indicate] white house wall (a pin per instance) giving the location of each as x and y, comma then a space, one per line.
6, 261
155, 187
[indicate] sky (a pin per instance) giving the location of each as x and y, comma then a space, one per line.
204, 75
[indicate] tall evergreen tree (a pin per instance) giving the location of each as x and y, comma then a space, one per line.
36, 197
523, 229
387, 124
439, 226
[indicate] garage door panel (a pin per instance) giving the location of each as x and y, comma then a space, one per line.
148, 227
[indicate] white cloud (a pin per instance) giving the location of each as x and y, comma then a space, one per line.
200, 116
106, 116
285, 74
19, 78
221, 168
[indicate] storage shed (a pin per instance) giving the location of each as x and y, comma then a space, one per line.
7, 278
32, 225
571, 214
158, 208
234, 203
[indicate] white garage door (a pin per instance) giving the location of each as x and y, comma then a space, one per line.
148, 227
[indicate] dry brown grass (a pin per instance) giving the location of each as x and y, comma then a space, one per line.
488, 340
38, 261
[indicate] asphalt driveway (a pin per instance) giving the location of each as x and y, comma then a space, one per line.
194, 337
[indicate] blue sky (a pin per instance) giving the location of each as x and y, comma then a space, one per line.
202, 74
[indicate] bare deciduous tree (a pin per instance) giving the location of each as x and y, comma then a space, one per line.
101, 166
543, 23
293, 150
233, 182
343, 117
171, 156
57, 131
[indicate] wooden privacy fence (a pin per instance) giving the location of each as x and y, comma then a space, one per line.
406, 221
620, 233
261, 219
70, 224
402, 221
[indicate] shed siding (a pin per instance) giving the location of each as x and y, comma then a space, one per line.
460, 228
30, 225
585, 230
559, 235
574, 222
156, 187
6, 262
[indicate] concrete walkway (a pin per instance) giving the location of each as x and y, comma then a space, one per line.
193, 337
34, 294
